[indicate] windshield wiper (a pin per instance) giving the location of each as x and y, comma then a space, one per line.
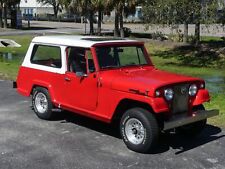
131, 64
138, 65
111, 66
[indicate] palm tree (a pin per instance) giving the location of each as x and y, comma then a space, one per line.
88, 8
99, 7
82, 7
120, 6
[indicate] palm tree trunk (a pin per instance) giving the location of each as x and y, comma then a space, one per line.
55, 12
56, 9
197, 32
91, 22
121, 23
13, 12
5, 15
185, 31
116, 24
1, 22
99, 21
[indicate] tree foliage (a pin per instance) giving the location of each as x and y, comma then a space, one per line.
6, 5
123, 8
180, 12
88, 8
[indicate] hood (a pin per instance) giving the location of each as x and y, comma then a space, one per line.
142, 80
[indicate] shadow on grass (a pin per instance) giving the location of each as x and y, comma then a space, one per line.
166, 142
207, 54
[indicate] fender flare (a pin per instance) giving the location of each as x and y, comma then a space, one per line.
48, 86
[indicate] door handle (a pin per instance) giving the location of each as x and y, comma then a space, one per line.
67, 79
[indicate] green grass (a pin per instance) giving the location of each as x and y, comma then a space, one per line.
217, 102
24, 40
173, 66
8, 69
210, 38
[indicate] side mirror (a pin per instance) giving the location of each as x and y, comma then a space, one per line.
81, 74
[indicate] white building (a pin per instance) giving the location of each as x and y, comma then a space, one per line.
33, 8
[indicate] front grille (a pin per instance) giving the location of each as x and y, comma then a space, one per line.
180, 100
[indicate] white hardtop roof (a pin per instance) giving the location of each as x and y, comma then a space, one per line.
79, 41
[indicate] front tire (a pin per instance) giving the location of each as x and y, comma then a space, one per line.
42, 104
139, 130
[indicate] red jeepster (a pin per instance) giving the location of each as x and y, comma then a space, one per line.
112, 80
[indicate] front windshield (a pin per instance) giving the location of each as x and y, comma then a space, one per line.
117, 56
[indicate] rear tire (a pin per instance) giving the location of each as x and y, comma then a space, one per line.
42, 104
194, 129
139, 130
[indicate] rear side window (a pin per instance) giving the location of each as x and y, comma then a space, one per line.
47, 56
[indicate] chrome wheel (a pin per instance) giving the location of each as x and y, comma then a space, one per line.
134, 131
41, 103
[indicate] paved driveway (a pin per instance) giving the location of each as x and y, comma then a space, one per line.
46, 27
72, 141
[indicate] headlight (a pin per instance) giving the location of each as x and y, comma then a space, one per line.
193, 90
168, 93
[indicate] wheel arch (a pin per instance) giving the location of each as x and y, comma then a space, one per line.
126, 104
43, 85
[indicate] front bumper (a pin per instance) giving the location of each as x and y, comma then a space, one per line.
181, 120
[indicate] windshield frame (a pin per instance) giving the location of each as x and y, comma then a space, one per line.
123, 44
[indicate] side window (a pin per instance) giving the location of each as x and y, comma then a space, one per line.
47, 56
76, 60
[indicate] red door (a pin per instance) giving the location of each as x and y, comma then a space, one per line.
80, 82
81, 92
